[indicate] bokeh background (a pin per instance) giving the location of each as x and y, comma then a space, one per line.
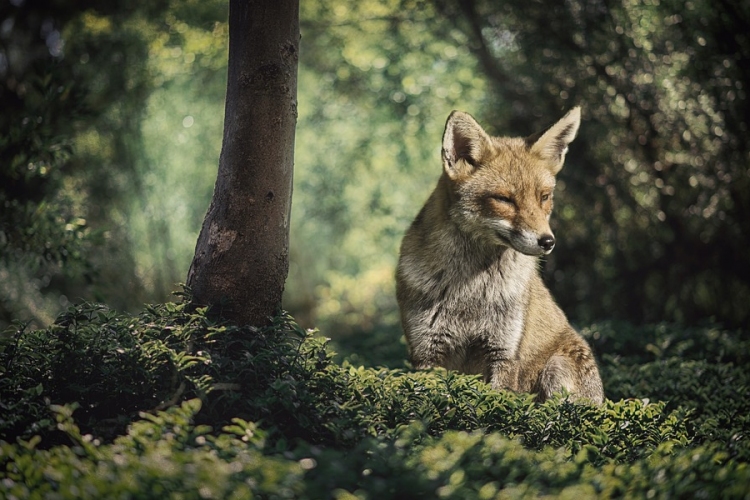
111, 124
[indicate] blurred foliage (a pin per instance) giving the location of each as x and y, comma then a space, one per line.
270, 412
111, 130
93, 205
70, 77
656, 193
653, 203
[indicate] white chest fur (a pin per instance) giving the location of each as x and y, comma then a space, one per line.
471, 292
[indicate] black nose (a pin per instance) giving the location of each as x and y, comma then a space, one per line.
547, 242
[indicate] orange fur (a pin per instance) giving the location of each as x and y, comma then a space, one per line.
468, 288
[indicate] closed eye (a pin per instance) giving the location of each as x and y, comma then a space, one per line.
503, 199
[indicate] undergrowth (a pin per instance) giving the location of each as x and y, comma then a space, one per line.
174, 402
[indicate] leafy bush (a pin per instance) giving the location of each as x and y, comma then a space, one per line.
111, 365
160, 455
702, 370
164, 455
270, 412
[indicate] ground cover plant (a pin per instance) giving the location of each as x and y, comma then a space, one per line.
174, 403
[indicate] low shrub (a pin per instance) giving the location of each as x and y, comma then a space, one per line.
165, 455
271, 412
111, 365
703, 370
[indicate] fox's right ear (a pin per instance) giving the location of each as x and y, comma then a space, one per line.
465, 143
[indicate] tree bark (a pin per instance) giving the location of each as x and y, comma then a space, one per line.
242, 255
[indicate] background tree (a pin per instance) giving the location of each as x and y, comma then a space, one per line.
242, 256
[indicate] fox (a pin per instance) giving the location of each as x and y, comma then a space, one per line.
469, 292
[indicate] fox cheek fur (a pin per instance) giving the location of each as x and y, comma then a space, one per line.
467, 284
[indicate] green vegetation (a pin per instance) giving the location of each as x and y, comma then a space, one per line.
110, 133
173, 402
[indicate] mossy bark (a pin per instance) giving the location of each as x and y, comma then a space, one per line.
241, 257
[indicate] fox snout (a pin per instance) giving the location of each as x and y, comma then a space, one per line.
531, 244
527, 242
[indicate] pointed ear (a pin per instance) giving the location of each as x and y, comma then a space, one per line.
553, 143
465, 143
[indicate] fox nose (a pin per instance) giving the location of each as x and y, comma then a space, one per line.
547, 243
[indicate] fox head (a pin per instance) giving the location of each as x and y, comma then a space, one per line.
501, 188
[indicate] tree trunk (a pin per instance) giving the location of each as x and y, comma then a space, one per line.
242, 256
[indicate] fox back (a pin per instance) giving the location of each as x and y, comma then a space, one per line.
468, 288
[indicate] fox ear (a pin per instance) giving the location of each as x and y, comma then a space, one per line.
465, 143
552, 144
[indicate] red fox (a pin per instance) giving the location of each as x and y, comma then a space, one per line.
470, 296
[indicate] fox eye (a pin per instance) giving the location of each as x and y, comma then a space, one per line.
503, 199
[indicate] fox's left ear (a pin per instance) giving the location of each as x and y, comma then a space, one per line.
553, 143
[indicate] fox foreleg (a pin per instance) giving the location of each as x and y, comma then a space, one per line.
430, 350
501, 367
